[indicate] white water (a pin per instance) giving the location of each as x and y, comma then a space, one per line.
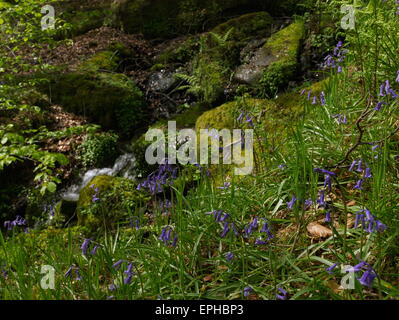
122, 166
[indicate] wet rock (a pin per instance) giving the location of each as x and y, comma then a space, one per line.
161, 81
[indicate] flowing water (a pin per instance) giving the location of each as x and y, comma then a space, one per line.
122, 167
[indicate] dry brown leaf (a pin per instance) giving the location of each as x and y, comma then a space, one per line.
351, 203
208, 278
350, 222
318, 231
334, 286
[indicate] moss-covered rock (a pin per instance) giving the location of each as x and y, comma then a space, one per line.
107, 201
82, 17
94, 90
284, 46
220, 53
160, 18
274, 64
246, 27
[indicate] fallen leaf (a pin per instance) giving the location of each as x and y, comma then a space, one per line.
351, 203
208, 278
318, 231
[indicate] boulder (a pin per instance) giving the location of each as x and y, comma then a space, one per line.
95, 90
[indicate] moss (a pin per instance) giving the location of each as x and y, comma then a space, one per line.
165, 19
246, 26
102, 61
109, 99
82, 20
117, 197
188, 118
179, 52
284, 46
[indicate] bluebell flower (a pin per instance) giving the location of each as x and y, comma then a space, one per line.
78, 276
328, 216
291, 203
327, 182
282, 166
314, 101
352, 165
247, 291
249, 121
319, 170
323, 98
266, 229
225, 229
360, 218
94, 251
367, 173
359, 184
307, 204
85, 246
393, 93
321, 201
367, 278
229, 256
260, 242
331, 268
226, 185
397, 76
283, 295
379, 105
359, 166
360, 266
117, 264
382, 91
68, 274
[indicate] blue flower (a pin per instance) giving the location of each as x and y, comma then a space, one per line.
266, 229
283, 295
322, 98
321, 201
319, 170
260, 242
117, 264
331, 268
328, 217
359, 185
352, 165
225, 230
397, 77
229, 256
379, 105
393, 93
291, 203
94, 251
247, 291
85, 246
226, 185
368, 277
367, 173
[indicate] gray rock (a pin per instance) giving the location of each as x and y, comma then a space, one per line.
249, 73
161, 81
